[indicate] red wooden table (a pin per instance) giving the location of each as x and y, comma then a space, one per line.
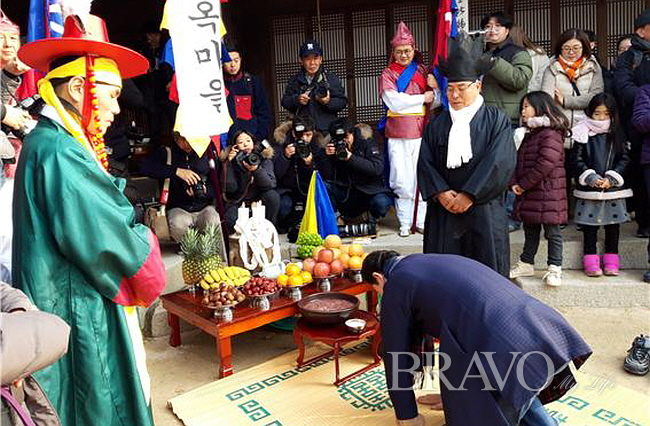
187, 306
336, 336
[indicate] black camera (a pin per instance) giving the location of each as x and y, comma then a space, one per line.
337, 132
302, 147
321, 89
319, 86
253, 158
33, 106
199, 189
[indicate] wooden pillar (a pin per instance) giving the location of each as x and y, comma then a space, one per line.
349, 65
510, 8
601, 31
556, 24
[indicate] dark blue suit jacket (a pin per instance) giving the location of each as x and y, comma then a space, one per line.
472, 309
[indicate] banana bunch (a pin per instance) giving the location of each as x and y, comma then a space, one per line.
230, 275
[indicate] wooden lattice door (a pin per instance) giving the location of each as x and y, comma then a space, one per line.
355, 45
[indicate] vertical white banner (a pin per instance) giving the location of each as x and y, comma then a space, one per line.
462, 17
196, 29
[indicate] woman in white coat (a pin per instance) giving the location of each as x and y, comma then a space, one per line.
573, 76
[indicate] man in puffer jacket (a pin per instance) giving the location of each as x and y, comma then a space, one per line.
633, 71
641, 123
30, 340
506, 83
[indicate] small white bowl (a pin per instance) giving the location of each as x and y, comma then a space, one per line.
355, 325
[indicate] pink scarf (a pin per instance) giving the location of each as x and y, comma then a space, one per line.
589, 127
539, 121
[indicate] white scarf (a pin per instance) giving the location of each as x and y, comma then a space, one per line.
459, 150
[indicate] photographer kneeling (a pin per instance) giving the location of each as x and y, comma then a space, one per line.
294, 163
353, 170
191, 195
248, 176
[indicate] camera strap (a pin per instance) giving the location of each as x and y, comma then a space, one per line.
164, 195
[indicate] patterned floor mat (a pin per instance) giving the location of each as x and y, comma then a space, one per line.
277, 393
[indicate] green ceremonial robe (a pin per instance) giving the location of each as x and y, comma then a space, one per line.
78, 253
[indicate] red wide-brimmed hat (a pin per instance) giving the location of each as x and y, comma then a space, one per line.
83, 38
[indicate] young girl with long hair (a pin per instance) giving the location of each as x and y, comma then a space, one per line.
540, 184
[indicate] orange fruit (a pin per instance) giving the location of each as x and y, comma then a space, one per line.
306, 277
283, 279
344, 248
355, 263
295, 280
363, 256
314, 253
344, 258
355, 250
292, 269
333, 241
337, 253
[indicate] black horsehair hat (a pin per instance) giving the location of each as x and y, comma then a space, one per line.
465, 61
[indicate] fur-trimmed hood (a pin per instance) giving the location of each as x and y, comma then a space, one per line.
267, 154
280, 133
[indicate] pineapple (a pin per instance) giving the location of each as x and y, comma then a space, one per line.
201, 253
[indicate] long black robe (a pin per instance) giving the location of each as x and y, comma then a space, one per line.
481, 233
474, 310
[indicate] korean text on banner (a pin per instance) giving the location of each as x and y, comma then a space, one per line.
197, 28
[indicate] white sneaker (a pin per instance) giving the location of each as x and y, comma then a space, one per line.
553, 277
522, 269
404, 231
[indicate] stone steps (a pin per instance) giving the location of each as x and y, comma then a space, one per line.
577, 290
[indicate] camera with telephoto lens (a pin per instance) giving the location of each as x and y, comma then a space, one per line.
337, 132
358, 230
33, 106
253, 158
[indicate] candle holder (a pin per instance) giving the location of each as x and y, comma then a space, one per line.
355, 275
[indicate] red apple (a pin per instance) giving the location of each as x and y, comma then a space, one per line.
321, 270
336, 267
325, 256
308, 265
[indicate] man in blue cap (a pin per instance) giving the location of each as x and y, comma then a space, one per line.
313, 91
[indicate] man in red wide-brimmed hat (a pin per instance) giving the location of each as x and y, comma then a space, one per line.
78, 252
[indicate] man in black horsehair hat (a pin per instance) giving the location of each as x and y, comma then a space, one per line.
466, 160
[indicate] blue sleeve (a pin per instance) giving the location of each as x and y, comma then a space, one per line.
371, 163
264, 177
155, 165
338, 100
396, 330
291, 93
261, 109
624, 78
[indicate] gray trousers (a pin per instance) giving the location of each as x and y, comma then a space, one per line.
180, 221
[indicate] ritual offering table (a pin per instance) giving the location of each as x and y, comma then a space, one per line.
337, 336
188, 306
